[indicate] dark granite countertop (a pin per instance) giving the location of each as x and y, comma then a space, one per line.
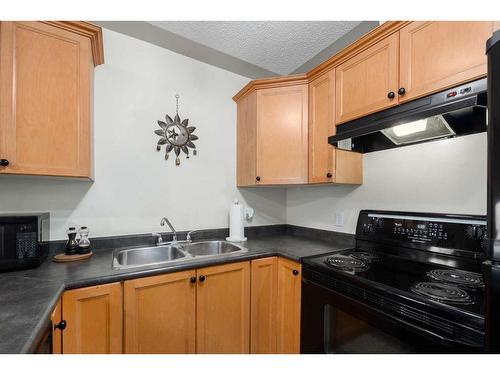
27, 297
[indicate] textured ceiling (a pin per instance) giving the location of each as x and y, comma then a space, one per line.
278, 46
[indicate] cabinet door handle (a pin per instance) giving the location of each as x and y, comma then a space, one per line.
202, 278
257, 178
329, 175
192, 279
401, 91
4, 162
61, 325
391, 95
295, 272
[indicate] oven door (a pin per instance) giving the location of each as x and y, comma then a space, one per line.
332, 322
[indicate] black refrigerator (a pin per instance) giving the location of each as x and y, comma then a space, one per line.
492, 264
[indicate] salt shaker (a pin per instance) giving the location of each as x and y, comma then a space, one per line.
84, 244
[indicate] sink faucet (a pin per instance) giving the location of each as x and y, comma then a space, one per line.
174, 232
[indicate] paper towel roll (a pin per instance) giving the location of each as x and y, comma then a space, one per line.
236, 230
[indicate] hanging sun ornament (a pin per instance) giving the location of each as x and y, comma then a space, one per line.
176, 135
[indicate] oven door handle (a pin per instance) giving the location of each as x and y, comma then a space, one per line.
423, 331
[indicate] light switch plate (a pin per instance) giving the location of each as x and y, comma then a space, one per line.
339, 219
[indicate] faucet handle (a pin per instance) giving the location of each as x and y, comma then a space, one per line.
188, 236
158, 235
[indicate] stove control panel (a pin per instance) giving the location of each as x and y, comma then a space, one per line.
463, 232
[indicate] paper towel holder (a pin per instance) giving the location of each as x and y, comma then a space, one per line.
249, 212
237, 232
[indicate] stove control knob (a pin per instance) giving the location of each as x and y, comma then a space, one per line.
474, 232
480, 232
378, 222
368, 229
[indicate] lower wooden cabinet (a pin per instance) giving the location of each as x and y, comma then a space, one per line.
288, 314
93, 318
196, 311
263, 321
55, 320
223, 309
160, 313
275, 318
242, 307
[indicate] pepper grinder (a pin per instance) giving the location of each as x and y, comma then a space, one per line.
72, 244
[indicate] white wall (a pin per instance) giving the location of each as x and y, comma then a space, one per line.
441, 176
134, 186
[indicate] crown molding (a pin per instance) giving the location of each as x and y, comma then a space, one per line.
267, 83
87, 29
374, 36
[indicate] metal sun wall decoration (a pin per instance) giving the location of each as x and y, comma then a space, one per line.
176, 135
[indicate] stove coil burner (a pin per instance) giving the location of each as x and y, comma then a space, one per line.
367, 257
346, 263
442, 292
463, 279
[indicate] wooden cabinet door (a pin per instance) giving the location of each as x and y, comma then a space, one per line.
223, 309
94, 320
246, 141
56, 318
321, 126
45, 85
264, 292
288, 316
160, 314
437, 55
282, 135
349, 167
363, 83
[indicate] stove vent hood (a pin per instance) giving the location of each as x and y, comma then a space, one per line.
451, 113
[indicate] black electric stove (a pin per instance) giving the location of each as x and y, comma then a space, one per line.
412, 283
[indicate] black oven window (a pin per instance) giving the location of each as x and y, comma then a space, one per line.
346, 334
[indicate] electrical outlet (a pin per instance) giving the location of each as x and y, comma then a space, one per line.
339, 219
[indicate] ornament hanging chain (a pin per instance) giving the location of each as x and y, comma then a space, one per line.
177, 104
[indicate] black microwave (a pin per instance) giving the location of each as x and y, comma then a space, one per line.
23, 240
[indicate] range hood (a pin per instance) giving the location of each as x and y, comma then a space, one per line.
450, 113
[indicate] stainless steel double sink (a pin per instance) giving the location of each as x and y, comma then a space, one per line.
175, 252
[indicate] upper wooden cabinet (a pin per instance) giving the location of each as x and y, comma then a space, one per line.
321, 126
46, 79
160, 314
272, 136
367, 82
93, 318
437, 55
326, 163
416, 59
